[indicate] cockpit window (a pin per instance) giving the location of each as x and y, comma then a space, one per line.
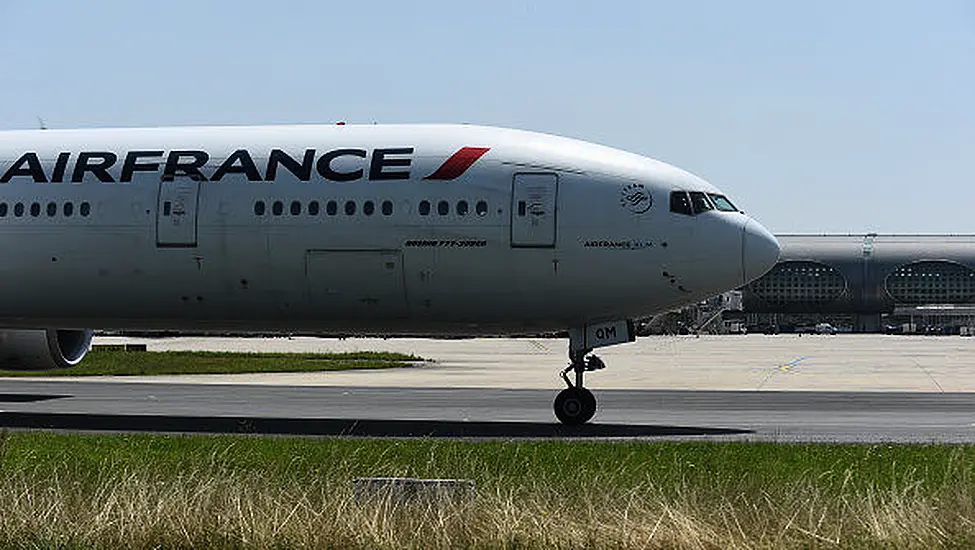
700, 202
722, 203
680, 203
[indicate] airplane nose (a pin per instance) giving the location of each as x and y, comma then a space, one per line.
759, 251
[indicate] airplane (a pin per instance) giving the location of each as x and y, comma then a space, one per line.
354, 229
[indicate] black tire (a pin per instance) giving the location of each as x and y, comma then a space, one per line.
575, 406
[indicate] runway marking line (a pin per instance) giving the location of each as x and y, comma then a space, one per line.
928, 374
540, 346
787, 367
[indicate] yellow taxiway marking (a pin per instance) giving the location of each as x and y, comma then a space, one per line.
787, 367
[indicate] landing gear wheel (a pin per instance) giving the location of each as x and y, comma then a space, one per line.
575, 406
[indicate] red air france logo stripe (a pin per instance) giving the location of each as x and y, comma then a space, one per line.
458, 163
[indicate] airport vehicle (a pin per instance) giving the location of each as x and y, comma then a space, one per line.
354, 229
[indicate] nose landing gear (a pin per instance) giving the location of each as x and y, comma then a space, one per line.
576, 405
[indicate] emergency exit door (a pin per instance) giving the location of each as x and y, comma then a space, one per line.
533, 210
176, 213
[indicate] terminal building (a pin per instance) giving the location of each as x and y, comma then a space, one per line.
867, 283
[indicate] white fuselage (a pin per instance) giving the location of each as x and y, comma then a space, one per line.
351, 229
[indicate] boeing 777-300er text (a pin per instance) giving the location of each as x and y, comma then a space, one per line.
371, 229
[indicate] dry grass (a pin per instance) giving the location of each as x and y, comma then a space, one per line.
214, 502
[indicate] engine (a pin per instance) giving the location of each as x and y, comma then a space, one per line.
43, 348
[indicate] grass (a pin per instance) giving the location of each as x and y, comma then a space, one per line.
147, 491
114, 362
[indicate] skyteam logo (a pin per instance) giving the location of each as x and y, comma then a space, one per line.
636, 198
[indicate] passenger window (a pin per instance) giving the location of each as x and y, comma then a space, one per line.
331, 208
481, 208
722, 203
85, 209
349, 207
313, 208
259, 208
424, 208
52, 209
368, 208
522, 208
462, 208
295, 208
68, 209
443, 208
700, 202
387, 208
19, 209
3, 210
680, 203
277, 208
35, 209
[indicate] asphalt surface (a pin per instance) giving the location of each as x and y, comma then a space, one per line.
784, 416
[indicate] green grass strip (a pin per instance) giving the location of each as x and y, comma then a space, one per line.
745, 467
111, 362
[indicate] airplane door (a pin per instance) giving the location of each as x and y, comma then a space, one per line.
176, 213
533, 210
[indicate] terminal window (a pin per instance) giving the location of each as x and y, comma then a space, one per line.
931, 282
800, 283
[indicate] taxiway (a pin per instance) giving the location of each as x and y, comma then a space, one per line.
784, 388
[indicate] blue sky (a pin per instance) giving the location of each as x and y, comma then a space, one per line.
827, 116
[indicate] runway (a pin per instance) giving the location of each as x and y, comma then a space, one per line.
849, 388
487, 413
